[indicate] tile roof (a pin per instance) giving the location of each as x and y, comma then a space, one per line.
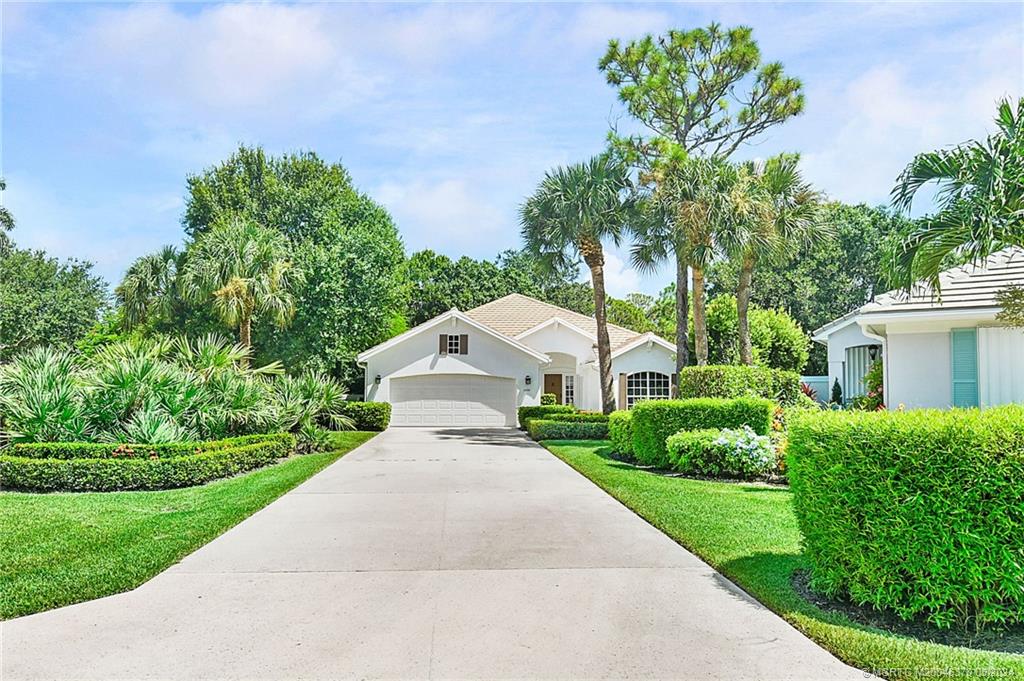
516, 313
967, 287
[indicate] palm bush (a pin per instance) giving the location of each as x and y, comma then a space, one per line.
162, 390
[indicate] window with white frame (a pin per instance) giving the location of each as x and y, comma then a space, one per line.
454, 348
647, 385
568, 389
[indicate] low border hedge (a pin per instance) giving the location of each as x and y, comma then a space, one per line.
541, 411
620, 431
369, 416
148, 472
655, 420
728, 381
105, 450
916, 512
703, 452
543, 429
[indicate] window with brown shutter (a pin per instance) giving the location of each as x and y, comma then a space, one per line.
442, 344
463, 344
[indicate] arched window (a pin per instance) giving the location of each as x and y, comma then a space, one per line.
646, 385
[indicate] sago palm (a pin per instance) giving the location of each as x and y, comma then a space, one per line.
574, 210
244, 271
980, 198
780, 209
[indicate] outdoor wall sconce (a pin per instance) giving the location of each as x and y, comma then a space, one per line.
529, 379
376, 379
872, 352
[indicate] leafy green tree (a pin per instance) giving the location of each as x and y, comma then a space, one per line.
626, 314
702, 92
574, 210
6, 221
783, 210
354, 292
980, 198
827, 278
777, 340
45, 301
244, 272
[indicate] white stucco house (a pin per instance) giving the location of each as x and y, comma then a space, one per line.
475, 368
937, 351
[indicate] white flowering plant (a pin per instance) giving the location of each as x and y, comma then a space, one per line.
727, 453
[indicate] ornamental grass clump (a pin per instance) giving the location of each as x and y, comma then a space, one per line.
920, 513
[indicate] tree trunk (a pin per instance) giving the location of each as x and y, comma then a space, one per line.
700, 326
245, 336
743, 291
682, 314
593, 255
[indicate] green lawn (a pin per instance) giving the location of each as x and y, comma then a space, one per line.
59, 549
749, 533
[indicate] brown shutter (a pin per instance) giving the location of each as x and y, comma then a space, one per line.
622, 391
442, 344
463, 344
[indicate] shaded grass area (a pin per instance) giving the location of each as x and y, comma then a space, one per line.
749, 533
59, 549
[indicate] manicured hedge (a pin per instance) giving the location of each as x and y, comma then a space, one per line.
578, 416
147, 472
370, 416
714, 453
655, 420
919, 512
732, 381
620, 431
542, 429
105, 450
547, 399
542, 411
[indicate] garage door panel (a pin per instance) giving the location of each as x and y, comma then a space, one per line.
453, 400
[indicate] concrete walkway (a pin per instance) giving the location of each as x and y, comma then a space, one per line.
427, 554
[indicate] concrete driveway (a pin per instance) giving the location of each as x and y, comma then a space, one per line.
427, 554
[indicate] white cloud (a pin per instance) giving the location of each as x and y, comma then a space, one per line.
451, 216
619, 277
593, 25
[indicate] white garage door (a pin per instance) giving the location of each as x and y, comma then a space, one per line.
453, 400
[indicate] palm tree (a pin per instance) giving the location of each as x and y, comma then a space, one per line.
980, 198
244, 271
574, 210
781, 211
696, 197
149, 287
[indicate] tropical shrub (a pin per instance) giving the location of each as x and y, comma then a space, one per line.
542, 411
140, 470
371, 416
874, 397
915, 512
158, 391
547, 399
727, 453
620, 431
544, 429
731, 381
655, 420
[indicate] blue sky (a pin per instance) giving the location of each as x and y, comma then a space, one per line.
447, 114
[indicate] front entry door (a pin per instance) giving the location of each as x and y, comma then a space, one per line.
553, 384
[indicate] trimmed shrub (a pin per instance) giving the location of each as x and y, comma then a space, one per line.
371, 416
547, 399
542, 411
916, 512
620, 431
732, 381
739, 453
543, 429
655, 420
578, 416
148, 472
96, 450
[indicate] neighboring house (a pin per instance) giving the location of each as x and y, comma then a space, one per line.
475, 368
937, 351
